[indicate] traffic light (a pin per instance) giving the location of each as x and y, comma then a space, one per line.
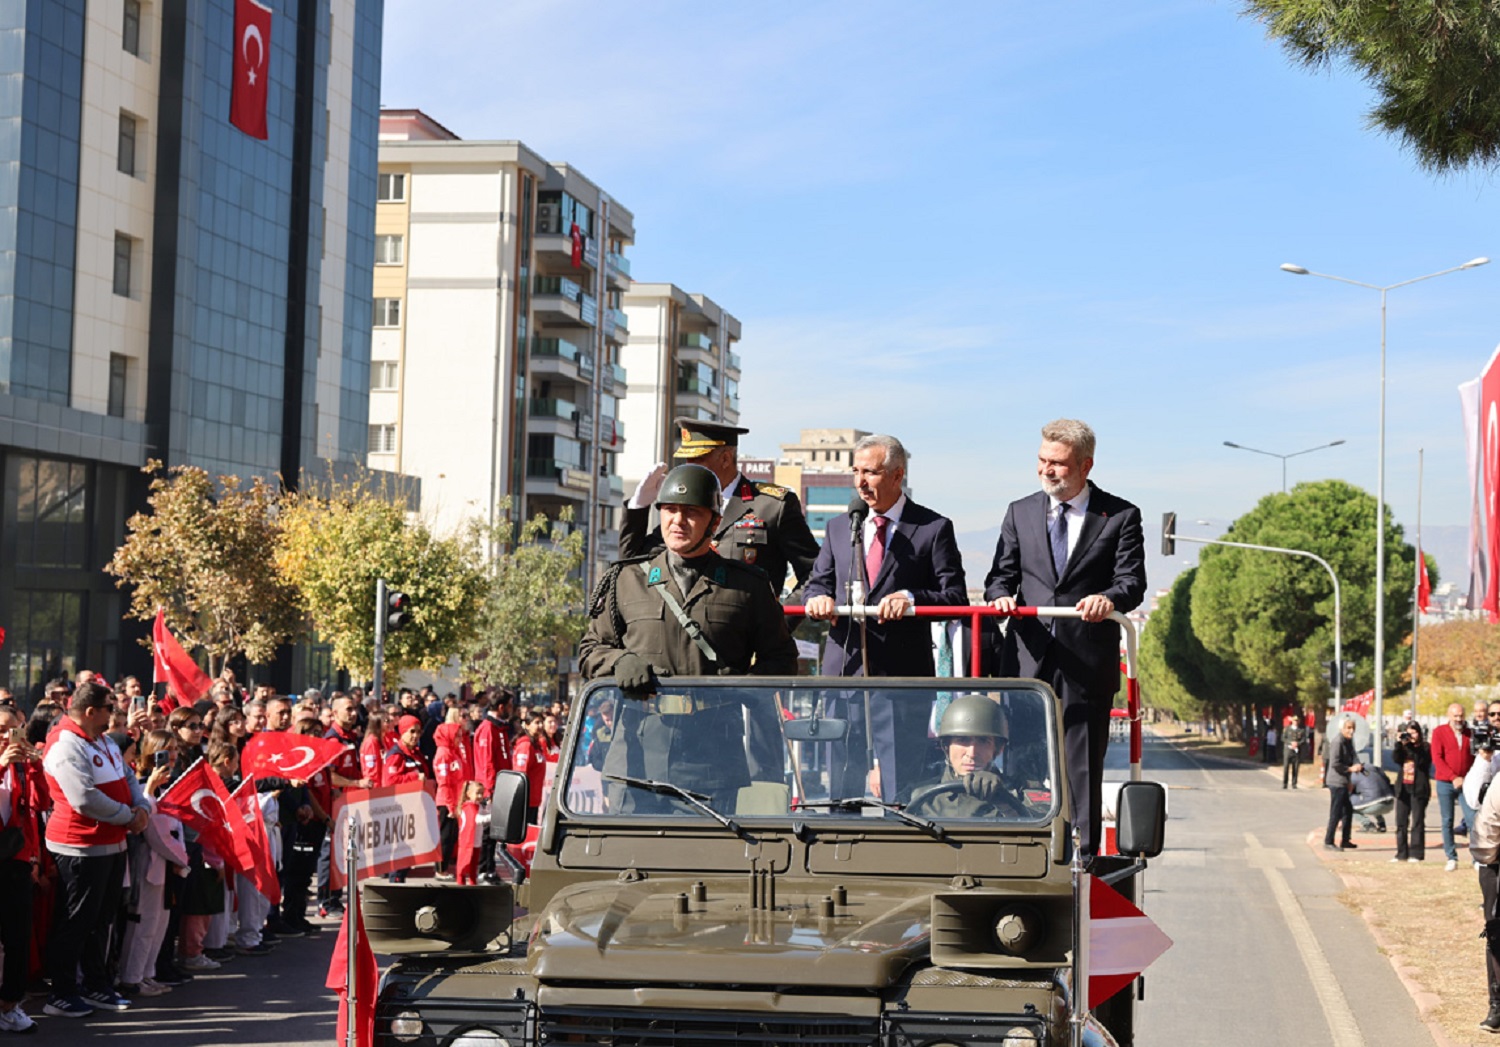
1347, 672
1169, 534
1330, 673
398, 613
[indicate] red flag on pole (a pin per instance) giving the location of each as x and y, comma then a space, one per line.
280, 754
252, 63
173, 667
1119, 941
200, 801
367, 973
263, 874
1489, 481
1424, 584
576, 235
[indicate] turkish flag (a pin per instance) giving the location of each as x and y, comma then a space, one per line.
173, 667
252, 66
200, 801
366, 975
1119, 941
262, 873
280, 754
1424, 584
576, 235
1489, 481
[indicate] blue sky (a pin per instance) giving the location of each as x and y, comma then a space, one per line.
954, 222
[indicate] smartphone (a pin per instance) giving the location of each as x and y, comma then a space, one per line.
161, 758
138, 702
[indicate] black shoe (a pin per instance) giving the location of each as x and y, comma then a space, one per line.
1330, 847
172, 976
1350, 845
1491, 1021
221, 955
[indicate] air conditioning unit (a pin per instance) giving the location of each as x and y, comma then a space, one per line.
546, 217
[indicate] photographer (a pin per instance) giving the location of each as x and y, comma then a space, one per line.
1484, 846
1451, 760
1413, 790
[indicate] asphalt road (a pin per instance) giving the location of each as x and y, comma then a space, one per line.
1264, 952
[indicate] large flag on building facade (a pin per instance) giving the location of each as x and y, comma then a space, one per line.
173, 667
252, 67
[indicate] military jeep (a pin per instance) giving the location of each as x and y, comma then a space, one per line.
717, 863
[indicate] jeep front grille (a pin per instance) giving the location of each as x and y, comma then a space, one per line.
704, 1029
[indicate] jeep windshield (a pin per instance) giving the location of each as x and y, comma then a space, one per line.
773, 749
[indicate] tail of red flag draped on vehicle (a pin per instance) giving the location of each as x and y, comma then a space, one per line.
1118, 941
173, 667
366, 977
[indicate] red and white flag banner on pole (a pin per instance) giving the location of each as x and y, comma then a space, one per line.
281, 754
398, 828
172, 666
1119, 941
201, 801
252, 67
1468, 399
1424, 584
1489, 466
365, 980
263, 873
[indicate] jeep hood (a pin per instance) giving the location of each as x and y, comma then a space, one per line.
602, 930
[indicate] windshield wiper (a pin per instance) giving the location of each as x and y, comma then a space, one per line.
860, 803
698, 801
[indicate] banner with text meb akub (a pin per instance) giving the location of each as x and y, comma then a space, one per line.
397, 825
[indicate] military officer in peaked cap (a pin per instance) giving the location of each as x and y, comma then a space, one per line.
760, 524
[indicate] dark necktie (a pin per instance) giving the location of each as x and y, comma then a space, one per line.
875, 555
1060, 539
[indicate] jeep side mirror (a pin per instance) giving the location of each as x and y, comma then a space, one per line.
508, 808
1140, 819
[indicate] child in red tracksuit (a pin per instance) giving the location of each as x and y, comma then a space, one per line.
453, 768
469, 837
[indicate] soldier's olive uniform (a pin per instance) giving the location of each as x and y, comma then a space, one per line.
666, 737
1292, 741
763, 527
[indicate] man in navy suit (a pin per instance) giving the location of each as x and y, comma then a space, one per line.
901, 554
1071, 545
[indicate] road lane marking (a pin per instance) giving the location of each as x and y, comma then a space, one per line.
1336, 1011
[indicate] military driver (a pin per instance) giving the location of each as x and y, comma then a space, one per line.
973, 732
685, 611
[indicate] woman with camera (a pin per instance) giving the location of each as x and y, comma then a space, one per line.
1413, 789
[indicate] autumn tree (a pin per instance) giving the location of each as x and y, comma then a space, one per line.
533, 612
204, 552
1435, 67
339, 538
1461, 654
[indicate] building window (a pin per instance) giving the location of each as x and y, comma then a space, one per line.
382, 439
125, 150
124, 248
391, 188
383, 374
130, 29
117, 364
389, 248
387, 312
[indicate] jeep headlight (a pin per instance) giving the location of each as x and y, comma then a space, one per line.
406, 1026
479, 1038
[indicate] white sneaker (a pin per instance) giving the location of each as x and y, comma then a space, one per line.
1414, 860
198, 963
16, 1020
152, 987
1452, 864
1397, 859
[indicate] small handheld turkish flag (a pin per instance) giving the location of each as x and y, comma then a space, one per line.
200, 801
263, 872
278, 754
252, 67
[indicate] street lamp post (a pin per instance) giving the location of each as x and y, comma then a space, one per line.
1297, 270
1283, 457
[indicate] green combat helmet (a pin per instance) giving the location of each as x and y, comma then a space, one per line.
691, 485
973, 715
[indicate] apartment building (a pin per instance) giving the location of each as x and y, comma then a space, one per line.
681, 363
174, 288
496, 371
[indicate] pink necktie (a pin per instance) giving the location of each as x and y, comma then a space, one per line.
875, 555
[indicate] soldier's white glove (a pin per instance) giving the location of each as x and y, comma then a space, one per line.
647, 490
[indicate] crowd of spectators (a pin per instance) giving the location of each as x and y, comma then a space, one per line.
107, 898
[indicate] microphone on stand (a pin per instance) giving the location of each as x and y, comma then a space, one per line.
858, 510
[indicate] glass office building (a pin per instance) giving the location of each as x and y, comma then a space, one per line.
170, 287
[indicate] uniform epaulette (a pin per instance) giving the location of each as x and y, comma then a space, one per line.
770, 489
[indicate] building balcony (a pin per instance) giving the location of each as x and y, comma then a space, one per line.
557, 300
617, 271
553, 417
550, 478
556, 247
611, 432
558, 356
695, 340
732, 361
616, 318
554, 409
617, 377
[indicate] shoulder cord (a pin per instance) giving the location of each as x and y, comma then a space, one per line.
655, 581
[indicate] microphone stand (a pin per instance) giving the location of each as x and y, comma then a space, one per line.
858, 587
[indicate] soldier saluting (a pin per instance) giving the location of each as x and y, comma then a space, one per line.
759, 524
684, 610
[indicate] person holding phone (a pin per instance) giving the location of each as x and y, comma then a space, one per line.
23, 796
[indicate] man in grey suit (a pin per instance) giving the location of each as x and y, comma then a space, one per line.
1071, 545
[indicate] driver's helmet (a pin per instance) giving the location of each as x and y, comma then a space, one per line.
975, 715
691, 485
